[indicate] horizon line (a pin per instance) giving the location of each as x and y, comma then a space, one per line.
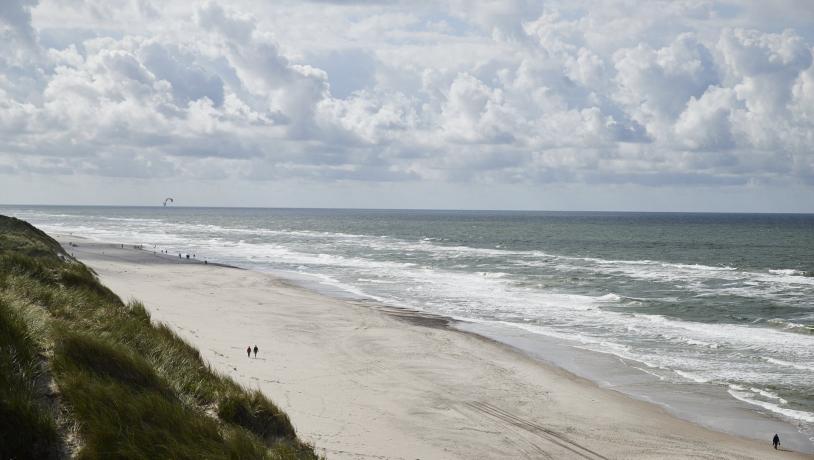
404, 209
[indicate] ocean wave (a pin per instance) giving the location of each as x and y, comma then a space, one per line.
699, 343
692, 376
375, 281
792, 326
793, 414
780, 362
768, 394
648, 371
493, 275
333, 282
609, 297
788, 272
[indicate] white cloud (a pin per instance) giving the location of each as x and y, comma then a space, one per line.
763, 66
650, 93
706, 123
475, 113
655, 85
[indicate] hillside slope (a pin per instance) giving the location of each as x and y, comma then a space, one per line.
82, 374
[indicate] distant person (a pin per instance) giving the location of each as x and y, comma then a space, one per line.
249, 352
775, 439
205, 262
255, 351
187, 256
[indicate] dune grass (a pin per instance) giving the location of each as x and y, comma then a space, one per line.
27, 428
134, 388
21, 238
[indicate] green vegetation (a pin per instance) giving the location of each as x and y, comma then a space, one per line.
27, 429
18, 237
84, 374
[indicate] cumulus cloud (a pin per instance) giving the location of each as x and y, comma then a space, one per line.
499, 92
706, 122
656, 84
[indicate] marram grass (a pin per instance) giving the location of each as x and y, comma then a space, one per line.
27, 429
133, 388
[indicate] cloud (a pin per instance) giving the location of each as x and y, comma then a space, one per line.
655, 85
476, 113
706, 123
293, 90
190, 81
693, 92
15, 21
763, 66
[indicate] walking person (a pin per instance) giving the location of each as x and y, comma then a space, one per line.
255, 351
776, 441
249, 352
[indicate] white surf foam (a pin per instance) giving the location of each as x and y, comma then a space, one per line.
787, 272
768, 394
793, 414
692, 376
779, 362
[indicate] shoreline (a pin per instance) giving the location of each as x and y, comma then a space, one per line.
136, 272
706, 404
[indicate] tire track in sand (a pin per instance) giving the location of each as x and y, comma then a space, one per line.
539, 430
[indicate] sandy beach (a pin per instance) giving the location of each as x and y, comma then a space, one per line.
365, 381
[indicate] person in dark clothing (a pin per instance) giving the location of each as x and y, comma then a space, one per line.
776, 440
249, 352
255, 351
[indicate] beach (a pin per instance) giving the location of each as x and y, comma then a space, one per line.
362, 380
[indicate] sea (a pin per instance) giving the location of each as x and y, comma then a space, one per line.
709, 315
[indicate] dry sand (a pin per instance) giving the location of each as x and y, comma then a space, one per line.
360, 381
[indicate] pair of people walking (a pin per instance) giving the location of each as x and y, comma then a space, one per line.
249, 351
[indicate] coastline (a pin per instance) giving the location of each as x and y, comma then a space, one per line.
360, 381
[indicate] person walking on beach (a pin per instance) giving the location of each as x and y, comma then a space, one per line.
249, 352
255, 351
776, 441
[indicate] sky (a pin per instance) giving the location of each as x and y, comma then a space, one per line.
685, 105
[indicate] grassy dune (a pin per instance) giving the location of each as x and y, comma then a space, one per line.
83, 374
